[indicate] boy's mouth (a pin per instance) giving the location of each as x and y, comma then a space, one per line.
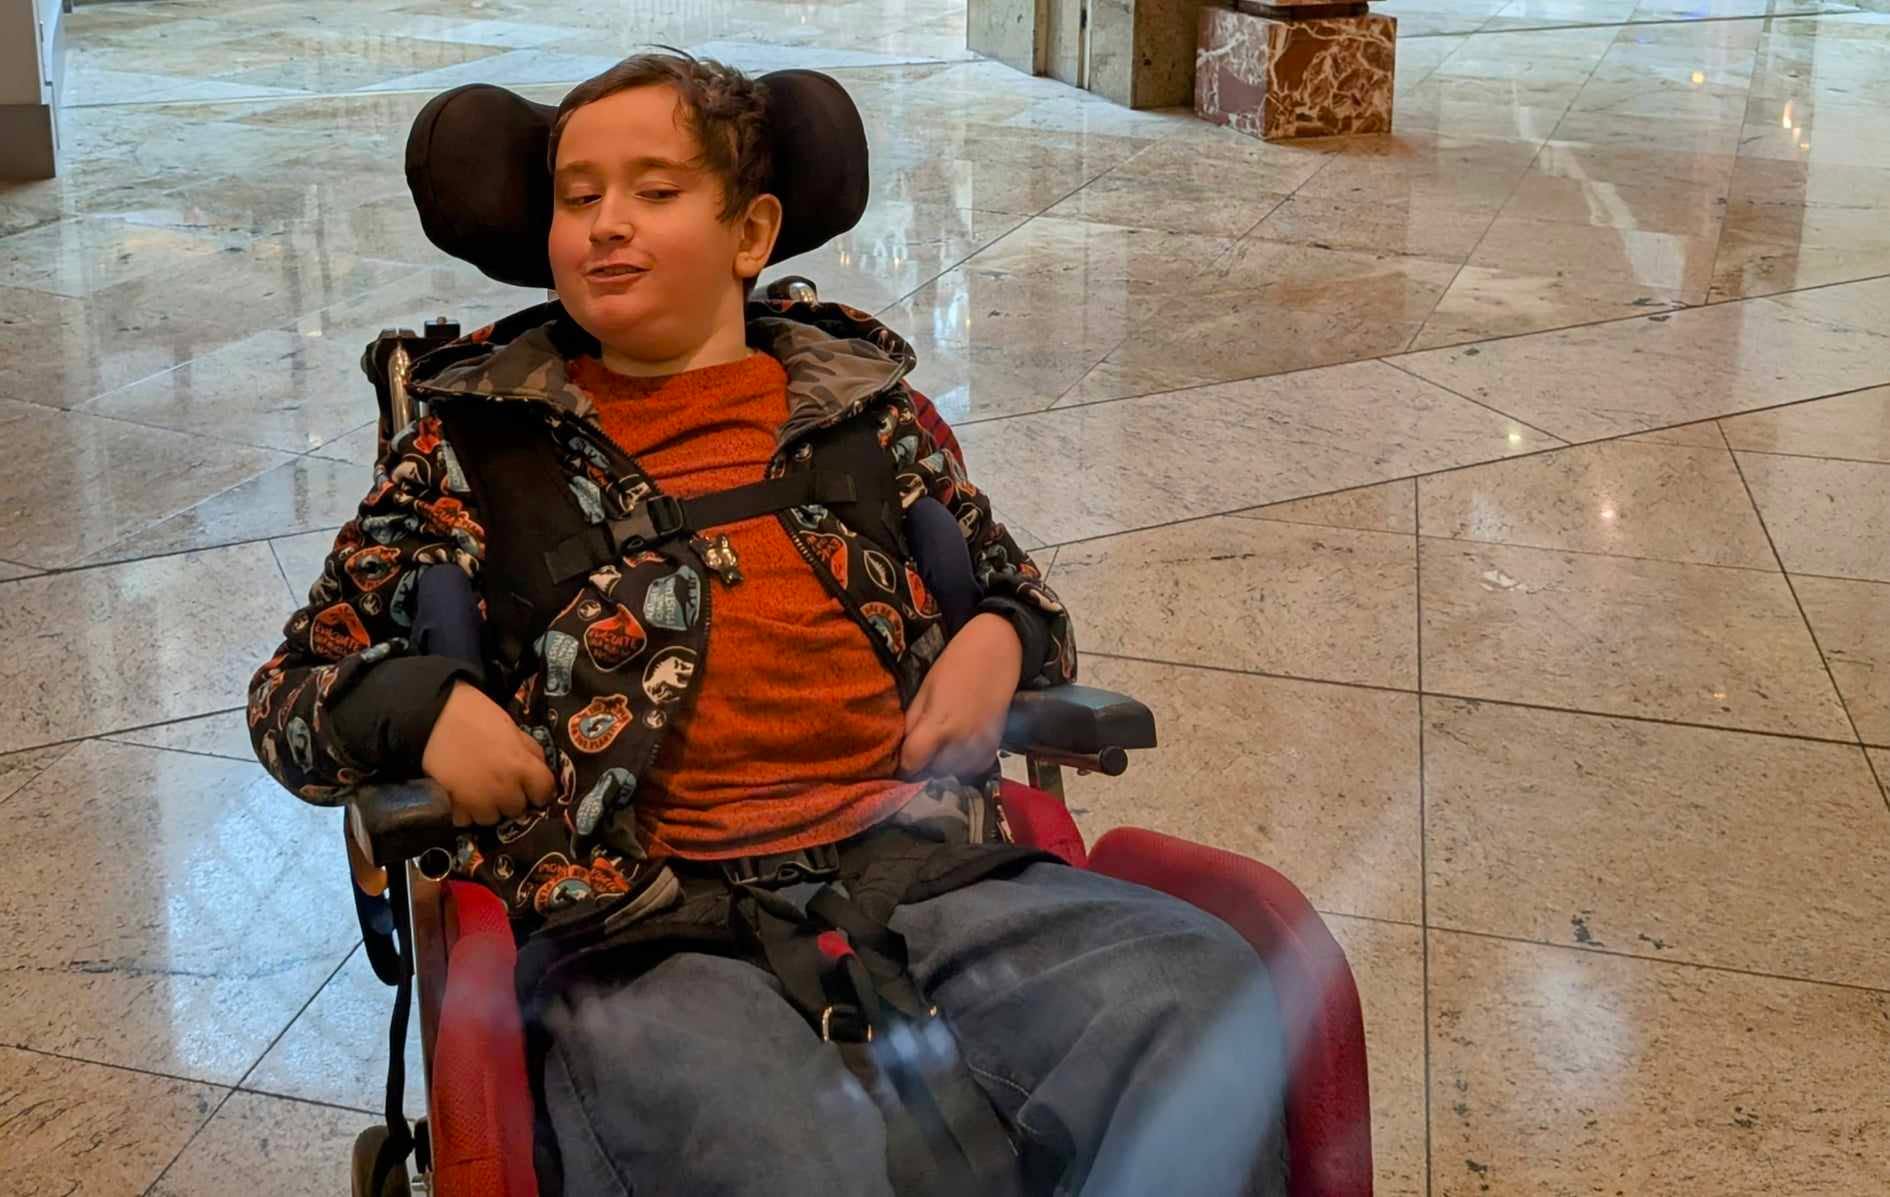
614, 272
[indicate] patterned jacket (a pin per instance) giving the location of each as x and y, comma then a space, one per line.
345, 700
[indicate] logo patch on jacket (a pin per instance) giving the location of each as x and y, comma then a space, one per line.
598, 725
672, 601
615, 640
668, 674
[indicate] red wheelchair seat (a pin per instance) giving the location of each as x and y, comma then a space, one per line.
480, 1103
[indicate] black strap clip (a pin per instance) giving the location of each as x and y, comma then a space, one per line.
654, 521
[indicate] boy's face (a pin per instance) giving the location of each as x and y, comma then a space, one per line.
641, 256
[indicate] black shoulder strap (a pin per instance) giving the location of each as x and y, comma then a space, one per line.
506, 455
660, 517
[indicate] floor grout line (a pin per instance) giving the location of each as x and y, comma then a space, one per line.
75, 741
1620, 954
190, 1080
1480, 700
66, 570
1483, 31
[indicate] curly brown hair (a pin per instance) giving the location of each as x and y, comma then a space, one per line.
727, 112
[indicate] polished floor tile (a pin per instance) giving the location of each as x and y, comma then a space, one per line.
177, 958
1605, 834
124, 477
1633, 165
1390, 507
1855, 426
1423, 226
1624, 499
1555, 1070
1390, 287
275, 1146
1270, 769
1748, 264
1669, 261
1691, 643
1827, 517
1141, 462
75, 258
1676, 208
1211, 336
71, 1127
894, 250
1207, 209
1101, 253
1387, 962
1635, 375
60, 352
993, 376
99, 650
1851, 621
302, 494
1484, 302
1326, 603
977, 308
336, 1050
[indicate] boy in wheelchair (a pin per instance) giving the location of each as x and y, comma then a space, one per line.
723, 758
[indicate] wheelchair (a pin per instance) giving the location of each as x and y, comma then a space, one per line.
447, 946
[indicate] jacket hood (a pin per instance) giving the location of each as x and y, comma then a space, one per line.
838, 359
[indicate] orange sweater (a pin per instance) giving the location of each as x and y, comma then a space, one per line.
795, 733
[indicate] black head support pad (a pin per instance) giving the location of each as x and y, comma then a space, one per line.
476, 166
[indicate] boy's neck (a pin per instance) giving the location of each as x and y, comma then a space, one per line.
727, 342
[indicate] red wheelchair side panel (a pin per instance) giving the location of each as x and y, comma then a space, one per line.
480, 1106
1328, 1104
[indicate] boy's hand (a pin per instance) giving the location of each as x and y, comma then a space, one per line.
954, 725
491, 769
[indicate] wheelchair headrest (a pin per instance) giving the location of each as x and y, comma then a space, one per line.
476, 167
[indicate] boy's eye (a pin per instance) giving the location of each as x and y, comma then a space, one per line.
659, 193
579, 200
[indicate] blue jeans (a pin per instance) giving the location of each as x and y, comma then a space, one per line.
1133, 1041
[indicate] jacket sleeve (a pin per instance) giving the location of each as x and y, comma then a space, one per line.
345, 700
1013, 585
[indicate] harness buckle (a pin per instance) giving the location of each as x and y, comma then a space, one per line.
818, 863
845, 1022
654, 520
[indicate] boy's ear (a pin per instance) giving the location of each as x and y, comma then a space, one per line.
760, 226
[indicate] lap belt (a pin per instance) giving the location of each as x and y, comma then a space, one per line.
664, 517
842, 967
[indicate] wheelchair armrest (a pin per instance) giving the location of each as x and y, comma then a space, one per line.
1078, 725
399, 821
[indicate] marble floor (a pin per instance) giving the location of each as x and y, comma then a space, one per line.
1496, 514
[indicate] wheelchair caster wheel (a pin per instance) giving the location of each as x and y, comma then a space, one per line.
367, 1145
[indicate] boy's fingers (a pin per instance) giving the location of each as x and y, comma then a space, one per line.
538, 784
916, 753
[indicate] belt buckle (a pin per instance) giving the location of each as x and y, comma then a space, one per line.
656, 519
831, 1021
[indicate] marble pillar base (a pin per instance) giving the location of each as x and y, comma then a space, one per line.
1006, 30
1282, 79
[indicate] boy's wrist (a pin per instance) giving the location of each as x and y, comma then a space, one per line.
1033, 635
